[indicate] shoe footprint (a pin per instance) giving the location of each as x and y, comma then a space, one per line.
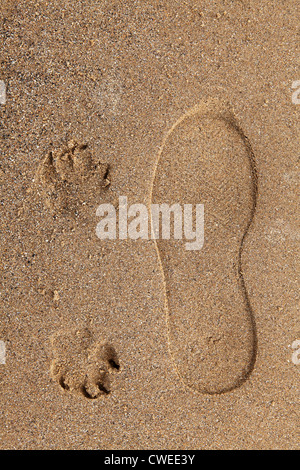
206, 158
82, 366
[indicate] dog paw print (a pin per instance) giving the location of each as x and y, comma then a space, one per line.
82, 366
71, 177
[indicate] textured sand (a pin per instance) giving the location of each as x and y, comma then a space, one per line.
93, 88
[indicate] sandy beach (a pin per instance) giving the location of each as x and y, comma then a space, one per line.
123, 343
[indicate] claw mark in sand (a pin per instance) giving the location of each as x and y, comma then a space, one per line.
82, 366
71, 177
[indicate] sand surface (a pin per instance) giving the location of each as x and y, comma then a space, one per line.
137, 344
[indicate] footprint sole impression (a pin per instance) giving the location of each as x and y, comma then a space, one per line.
205, 158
